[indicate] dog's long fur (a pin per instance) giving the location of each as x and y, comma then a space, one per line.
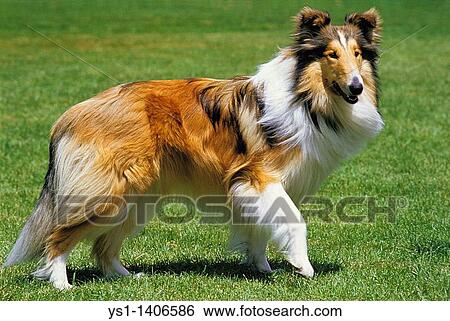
274, 135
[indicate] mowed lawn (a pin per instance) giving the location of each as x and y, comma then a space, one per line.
407, 259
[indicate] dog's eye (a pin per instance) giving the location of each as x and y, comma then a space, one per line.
333, 55
357, 53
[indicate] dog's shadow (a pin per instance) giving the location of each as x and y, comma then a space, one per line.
224, 269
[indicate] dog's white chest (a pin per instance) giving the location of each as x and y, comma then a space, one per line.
304, 177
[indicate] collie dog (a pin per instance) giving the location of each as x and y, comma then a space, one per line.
274, 136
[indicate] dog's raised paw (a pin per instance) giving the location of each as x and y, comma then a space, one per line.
306, 271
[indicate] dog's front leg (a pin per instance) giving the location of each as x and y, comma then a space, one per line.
271, 212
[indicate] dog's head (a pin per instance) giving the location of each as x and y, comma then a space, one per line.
347, 54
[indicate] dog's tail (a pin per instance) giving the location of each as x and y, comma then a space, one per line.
30, 243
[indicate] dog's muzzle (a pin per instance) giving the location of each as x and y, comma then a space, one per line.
351, 99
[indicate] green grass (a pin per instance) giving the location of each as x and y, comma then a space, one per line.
405, 260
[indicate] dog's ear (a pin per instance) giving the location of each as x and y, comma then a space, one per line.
309, 22
369, 23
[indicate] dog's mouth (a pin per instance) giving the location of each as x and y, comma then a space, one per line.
350, 99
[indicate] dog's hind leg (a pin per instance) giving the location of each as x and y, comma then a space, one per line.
96, 216
60, 243
106, 249
106, 252
54, 270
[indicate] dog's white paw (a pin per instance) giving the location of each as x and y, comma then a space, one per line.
262, 265
302, 266
305, 270
258, 263
62, 285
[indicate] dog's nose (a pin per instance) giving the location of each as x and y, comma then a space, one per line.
355, 86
